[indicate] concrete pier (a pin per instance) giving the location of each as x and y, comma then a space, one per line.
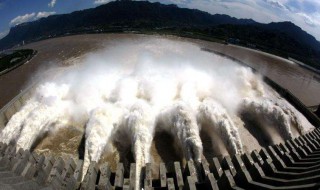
290, 165
293, 164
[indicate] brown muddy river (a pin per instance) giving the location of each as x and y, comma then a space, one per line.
301, 82
56, 52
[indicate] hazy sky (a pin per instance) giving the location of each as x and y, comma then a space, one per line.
304, 13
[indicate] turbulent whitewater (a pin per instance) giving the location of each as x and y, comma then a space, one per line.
128, 91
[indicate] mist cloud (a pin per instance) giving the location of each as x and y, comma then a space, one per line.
131, 88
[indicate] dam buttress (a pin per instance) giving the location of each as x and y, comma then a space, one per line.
291, 164
294, 164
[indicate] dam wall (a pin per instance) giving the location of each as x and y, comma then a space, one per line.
290, 165
14, 105
313, 119
293, 164
285, 93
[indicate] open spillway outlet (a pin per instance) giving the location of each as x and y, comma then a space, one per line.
152, 102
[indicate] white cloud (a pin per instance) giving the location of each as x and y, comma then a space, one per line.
4, 34
29, 17
276, 4
304, 13
22, 19
98, 2
52, 3
44, 14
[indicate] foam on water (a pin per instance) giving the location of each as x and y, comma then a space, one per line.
214, 116
102, 124
13, 128
180, 121
271, 113
135, 88
138, 123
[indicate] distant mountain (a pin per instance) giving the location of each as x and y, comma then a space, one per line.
294, 32
135, 15
284, 39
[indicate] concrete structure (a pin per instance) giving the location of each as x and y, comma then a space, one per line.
294, 164
14, 105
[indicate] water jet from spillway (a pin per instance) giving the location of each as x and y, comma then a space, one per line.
101, 126
138, 122
133, 89
215, 117
13, 128
180, 121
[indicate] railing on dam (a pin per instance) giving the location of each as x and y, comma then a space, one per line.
294, 164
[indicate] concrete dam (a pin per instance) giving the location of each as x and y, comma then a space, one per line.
157, 115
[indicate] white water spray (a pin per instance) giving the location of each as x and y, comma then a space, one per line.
14, 126
36, 125
102, 123
216, 118
138, 123
271, 113
134, 86
51, 113
295, 117
180, 121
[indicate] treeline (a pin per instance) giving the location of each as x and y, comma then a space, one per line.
283, 38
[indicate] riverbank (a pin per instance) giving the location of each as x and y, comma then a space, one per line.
55, 52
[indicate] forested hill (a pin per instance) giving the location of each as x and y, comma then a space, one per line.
282, 38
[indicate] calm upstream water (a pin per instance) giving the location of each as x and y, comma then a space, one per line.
303, 83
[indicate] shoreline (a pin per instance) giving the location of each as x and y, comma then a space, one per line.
54, 51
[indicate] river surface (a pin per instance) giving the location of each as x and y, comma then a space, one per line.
303, 83
64, 51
